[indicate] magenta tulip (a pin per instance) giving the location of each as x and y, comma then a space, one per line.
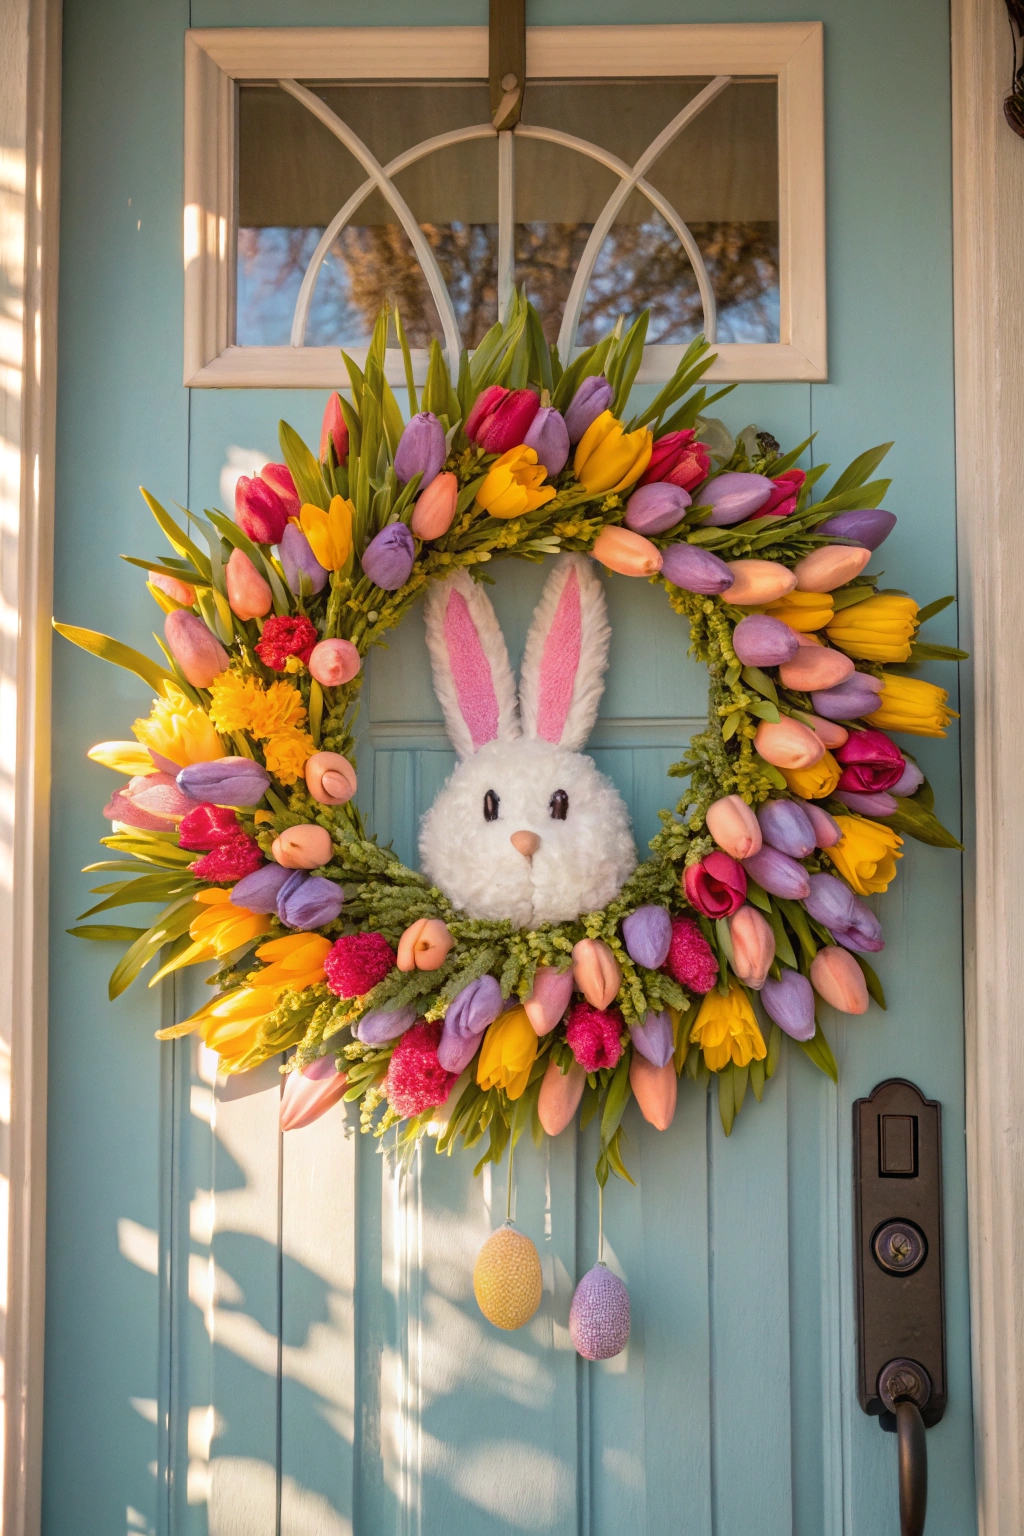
717, 886
279, 478
501, 418
259, 510
870, 761
678, 459
786, 494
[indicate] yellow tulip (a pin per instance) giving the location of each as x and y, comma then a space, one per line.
123, 756
219, 928
815, 783
803, 611
508, 1053
329, 533
515, 484
296, 961
879, 629
866, 854
179, 730
917, 708
726, 1030
608, 458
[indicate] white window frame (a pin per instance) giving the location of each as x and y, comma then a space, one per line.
217, 58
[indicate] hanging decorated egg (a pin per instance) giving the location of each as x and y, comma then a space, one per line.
507, 1278
599, 1315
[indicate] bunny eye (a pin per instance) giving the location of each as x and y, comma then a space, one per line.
491, 803
559, 806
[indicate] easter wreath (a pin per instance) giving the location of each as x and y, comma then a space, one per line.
496, 992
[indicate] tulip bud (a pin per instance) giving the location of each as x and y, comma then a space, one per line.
677, 459
653, 1038
421, 449
310, 1093
590, 401
596, 972
876, 803
434, 511
696, 570
787, 827
836, 976
815, 668
199, 654
855, 926
259, 510
823, 570
384, 1024
334, 662
758, 581
249, 596
305, 847
789, 1002
279, 478
549, 999
225, 781
628, 553
388, 558
827, 830
609, 458
753, 946
560, 1094
827, 731
473, 1010
778, 874
786, 494
869, 526
910, 780
788, 743
548, 436
850, 700
424, 945
656, 508
761, 641
300, 563
152, 802
655, 1090
333, 432
330, 778
734, 826
179, 590
647, 934
501, 418
734, 496
309, 901
716, 886
259, 891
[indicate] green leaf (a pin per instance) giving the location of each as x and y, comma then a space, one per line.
731, 724
921, 650
820, 1052
616, 1098
757, 1079
931, 609
306, 472
740, 1077
614, 1155
179, 571
726, 1099
105, 933
797, 919
857, 473
771, 1061
410, 383
761, 683
765, 710
759, 897
851, 595
916, 820
171, 923
855, 498
176, 537
874, 986
121, 655
783, 948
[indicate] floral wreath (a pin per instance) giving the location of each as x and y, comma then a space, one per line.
238, 813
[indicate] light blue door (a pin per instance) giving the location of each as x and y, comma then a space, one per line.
249, 1335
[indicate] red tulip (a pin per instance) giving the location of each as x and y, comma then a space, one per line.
680, 459
279, 478
870, 762
501, 418
786, 494
717, 886
259, 510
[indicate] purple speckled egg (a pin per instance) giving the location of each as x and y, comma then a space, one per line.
599, 1315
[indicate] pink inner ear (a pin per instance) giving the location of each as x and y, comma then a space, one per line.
560, 663
471, 672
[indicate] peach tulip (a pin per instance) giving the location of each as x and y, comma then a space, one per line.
333, 662
305, 847
626, 552
330, 778
434, 512
836, 976
758, 581
827, 731
596, 972
734, 826
249, 596
788, 744
180, 591
310, 1093
549, 999
816, 667
560, 1094
753, 946
424, 945
654, 1089
823, 570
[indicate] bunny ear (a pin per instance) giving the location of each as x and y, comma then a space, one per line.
472, 676
566, 655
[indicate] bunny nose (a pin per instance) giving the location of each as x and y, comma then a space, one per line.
525, 843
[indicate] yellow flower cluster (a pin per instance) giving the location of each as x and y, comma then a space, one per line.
273, 715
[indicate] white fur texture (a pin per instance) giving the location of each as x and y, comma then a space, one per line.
581, 862
492, 641
596, 635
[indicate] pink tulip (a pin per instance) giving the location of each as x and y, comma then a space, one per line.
628, 553
180, 590
836, 976
330, 778
434, 511
249, 596
501, 418
549, 999
334, 431
827, 831
334, 662
833, 566
198, 653
279, 478
758, 581
424, 945
827, 731
310, 1093
753, 946
816, 667
734, 826
560, 1094
655, 1090
596, 972
305, 847
788, 743
259, 510
150, 801
716, 886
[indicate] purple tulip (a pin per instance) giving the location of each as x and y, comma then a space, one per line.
787, 827
388, 558
734, 497
851, 923
870, 526
648, 936
299, 561
380, 1026
909, 782
790, 1003
778, 873
761, 641
225, 781
878, 803
476, 1006
593, 396
827, 830
309, 901
259, 891
863, 934
549, 438
848, 701
653, 1039
656, 508
422, 449
695, 570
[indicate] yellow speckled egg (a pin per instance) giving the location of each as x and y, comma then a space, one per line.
507, 1278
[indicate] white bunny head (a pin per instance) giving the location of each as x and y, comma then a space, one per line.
526, 828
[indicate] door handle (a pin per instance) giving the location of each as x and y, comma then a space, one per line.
901, 1377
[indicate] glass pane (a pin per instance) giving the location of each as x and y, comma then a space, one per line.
720, 175
294, 176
